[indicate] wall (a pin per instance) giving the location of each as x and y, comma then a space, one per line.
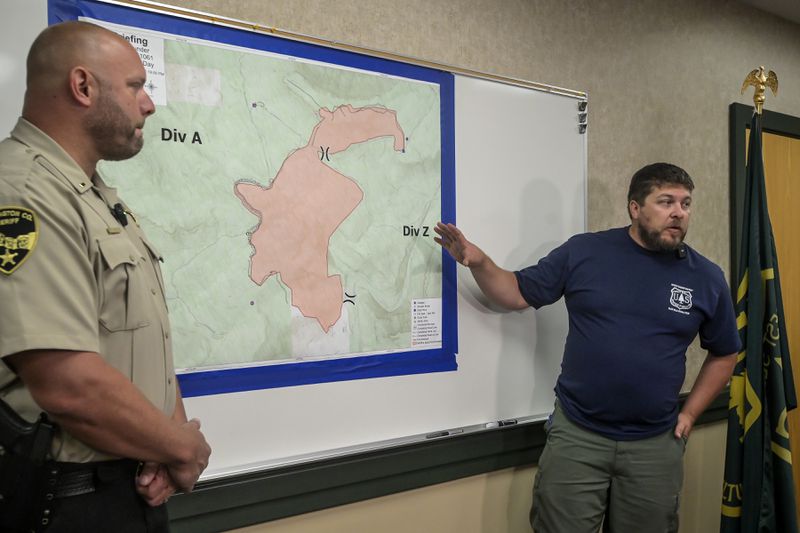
22, 21
660, 77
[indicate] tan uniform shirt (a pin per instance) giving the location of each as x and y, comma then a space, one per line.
73, 278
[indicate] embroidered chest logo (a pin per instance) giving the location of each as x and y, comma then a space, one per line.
680, 299
18, 233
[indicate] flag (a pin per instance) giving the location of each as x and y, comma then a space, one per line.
758, 490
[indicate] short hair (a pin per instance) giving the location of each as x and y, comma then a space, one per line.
657, 175
60, 46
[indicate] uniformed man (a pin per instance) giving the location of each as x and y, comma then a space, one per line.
84, 334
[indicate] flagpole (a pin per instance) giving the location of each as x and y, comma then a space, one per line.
758, 488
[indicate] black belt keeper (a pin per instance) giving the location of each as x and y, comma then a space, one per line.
43, 502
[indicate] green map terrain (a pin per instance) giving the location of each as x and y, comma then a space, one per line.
235, 116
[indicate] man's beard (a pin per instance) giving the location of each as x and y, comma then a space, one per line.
654, 241
106, 125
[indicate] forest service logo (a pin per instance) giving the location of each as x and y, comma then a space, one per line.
680, 299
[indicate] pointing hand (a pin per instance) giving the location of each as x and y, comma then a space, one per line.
452, 240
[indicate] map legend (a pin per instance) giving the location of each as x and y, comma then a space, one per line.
426, 322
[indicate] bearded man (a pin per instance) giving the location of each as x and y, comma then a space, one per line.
637, 297
85, 342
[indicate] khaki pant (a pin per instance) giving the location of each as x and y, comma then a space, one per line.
582, 474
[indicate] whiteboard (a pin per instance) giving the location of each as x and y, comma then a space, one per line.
520, 191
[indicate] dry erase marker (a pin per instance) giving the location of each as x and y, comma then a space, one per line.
501, 423
437, 434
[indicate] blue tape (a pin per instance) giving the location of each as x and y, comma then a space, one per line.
308, 372
285, 375
449, 304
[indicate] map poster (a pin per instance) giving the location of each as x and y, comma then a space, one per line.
292, 191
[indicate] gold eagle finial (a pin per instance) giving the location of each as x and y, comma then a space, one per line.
761, 80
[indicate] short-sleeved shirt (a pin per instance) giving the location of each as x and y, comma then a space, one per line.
74, 278
632, 314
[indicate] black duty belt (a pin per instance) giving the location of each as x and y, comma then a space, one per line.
73, 479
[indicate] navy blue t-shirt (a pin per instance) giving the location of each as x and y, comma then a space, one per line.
632, 315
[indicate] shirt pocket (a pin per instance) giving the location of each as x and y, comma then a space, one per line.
122, 287
156, 257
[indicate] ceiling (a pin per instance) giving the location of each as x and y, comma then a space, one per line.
788, 9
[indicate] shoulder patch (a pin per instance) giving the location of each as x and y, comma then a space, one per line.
19, 231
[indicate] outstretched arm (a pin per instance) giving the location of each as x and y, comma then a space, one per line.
498, 284
714, 374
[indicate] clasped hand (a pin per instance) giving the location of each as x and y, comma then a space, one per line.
156, 482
